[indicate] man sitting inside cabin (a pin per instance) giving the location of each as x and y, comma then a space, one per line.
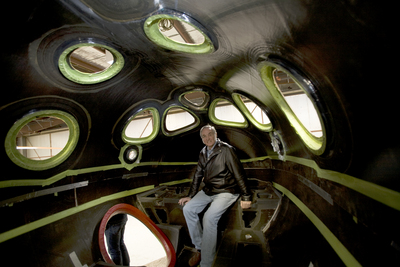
224, 179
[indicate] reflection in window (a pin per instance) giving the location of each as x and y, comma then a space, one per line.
226, 111
258, 114
132, 154
91, 59
42, 138
178, 118
143, 246
141, 125
197, 98
180, 32
299, 102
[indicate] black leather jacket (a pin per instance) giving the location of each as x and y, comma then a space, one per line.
222, 172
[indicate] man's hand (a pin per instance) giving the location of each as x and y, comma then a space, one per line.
245, 204
184, 200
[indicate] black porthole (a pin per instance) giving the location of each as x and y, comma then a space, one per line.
50, 57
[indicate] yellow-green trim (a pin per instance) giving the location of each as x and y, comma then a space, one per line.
10, 143
90, 78
63, 214
384, 195
62, 175
130, 166
177, 182
148, 139
214, 119
315, 144
347, 258
189, 104
153, 33
379, 193
267, 127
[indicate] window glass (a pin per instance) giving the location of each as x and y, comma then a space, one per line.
258, 114
253, 112
42, 138
197, 98
145, 242
180, 31
226, 111
148, 252
299, 102
178, 118
91, 59
291, 93
86, 63
141, 126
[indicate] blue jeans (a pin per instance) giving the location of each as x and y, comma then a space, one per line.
205, 239
115, 240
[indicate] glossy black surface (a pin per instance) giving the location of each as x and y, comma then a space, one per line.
344, 48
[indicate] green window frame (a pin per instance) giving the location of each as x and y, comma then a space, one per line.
214, 119
182, 129
315, 144
89, 78
152, 31
10, 143
267, 127
149, 138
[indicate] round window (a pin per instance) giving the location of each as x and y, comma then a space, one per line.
175, 33
42, 140
90, 63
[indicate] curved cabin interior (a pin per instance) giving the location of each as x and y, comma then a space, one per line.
102, 104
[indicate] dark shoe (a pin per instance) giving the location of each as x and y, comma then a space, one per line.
195, 259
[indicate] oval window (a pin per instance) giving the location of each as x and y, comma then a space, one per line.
224, 112
178, 120
90, 63
42, 140
91, 59
293, 99
299, 102
142, 127
175, 33
180, 32
253, 112
145, 243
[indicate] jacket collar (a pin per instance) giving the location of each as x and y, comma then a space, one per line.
214, 150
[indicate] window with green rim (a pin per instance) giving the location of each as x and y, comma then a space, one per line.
297, 105
178, 120
88, 63
195, 99
42, 140
253, 112
223, 112
142, 127
175, 33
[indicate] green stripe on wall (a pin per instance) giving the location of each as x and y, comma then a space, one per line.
379, 193
347, 258
63, 214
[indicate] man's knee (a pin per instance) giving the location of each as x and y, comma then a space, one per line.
210, 220
187, 210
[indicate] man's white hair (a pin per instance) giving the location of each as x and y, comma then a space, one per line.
212, 128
